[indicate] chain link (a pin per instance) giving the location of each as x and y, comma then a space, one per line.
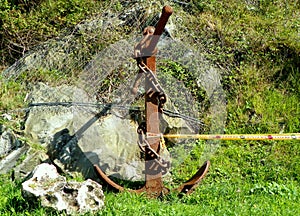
155, 87
160, 165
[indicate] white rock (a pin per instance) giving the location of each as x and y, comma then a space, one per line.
52, 190
89, 197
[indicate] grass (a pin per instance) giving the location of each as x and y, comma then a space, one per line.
258, 44
245, 178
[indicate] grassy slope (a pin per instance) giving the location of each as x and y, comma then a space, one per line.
259, 43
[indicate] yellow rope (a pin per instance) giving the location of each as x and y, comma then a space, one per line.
289, 136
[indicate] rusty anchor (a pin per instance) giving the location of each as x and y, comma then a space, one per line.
155, 166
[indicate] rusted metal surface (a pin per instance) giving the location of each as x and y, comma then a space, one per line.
166, 13
189, 186
155, 166
107, 180
154, 183
153, 173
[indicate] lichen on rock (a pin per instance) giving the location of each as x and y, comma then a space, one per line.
54, 191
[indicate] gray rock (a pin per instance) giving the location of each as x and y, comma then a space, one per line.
53, 191
8, 141
78, 137
33, 158
44, 118
10, 160
11, 149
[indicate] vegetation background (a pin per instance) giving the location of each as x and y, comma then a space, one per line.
257, 42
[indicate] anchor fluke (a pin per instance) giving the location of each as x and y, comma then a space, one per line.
189, 186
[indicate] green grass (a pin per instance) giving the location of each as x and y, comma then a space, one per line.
245, 178
256, 44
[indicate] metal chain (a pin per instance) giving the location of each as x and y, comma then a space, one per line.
155, 86
161, 164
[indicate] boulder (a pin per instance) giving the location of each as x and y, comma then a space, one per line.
8, 141
77, 137
33, 158
52, 190
11, 150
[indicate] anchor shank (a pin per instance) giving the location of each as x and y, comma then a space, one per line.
154, 185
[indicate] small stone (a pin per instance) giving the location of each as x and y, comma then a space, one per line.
90, 196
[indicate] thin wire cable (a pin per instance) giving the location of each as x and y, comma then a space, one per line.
99, 105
